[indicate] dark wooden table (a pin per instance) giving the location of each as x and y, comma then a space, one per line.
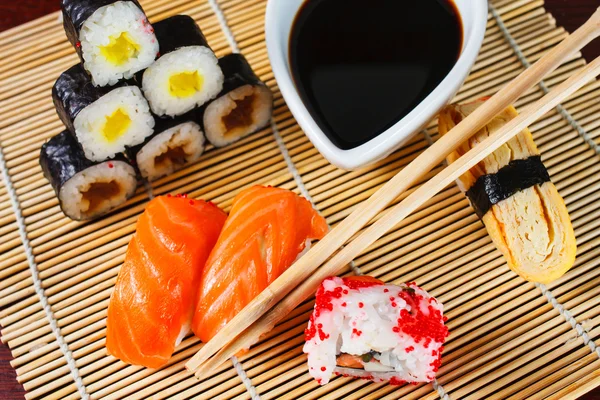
568, 13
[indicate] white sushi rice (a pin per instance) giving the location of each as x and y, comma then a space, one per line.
186, 137
188, 59
370, 311
89, 123
98, 189
110, 22
216, 112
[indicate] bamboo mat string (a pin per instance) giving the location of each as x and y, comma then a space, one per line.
440, 389
560, 109
148, 188
562, 310
282, 148
224, 25
247, 382
37, 283
234, 46
566, 314
436, 385
428, 137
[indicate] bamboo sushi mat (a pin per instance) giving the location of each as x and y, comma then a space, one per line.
509, 338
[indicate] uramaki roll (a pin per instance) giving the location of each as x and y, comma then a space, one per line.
511, 191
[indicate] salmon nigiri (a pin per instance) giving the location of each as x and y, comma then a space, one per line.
265, 232
151, 307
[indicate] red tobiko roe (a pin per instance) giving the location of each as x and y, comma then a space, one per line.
361, 281
396, 382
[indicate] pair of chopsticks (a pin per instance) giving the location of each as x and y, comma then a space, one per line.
303, 278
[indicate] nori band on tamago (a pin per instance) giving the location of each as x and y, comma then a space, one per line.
76, 12
73, 91
237, 72
176, 32
61, 158
518, 175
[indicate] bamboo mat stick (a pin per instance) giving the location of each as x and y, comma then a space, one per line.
300, 272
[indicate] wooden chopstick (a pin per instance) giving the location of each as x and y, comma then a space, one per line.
304, 269
400, 211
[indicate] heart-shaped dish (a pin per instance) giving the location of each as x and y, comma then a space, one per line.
280, 16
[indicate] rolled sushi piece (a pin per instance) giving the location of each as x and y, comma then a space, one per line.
174, 144
364, 328
85, 189
244, 105
113, 39
104, 120
187, 73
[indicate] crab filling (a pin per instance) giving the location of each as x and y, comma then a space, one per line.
358, 362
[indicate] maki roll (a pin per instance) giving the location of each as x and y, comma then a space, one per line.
244, 105
174, 144
85, 189
187, 73
113, 39
104, 120
511, 192
363, 328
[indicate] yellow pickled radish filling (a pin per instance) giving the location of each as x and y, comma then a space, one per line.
116, 125
185, 84
120, 49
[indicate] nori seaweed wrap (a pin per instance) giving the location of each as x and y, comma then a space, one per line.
178, 31
103, 119
113, 39
175, 143
85, 189
73, 91
517, 175
187, 73
242, 107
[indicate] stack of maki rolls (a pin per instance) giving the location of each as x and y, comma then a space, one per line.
138, 103
113, 39
187, 73
85, 188
103, 119
243, 106
175, 143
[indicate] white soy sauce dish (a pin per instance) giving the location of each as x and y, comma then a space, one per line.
357, 112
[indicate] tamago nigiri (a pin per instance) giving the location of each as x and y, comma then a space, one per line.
265, 232
152, 305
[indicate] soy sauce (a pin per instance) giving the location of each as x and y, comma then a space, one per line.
361, 66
